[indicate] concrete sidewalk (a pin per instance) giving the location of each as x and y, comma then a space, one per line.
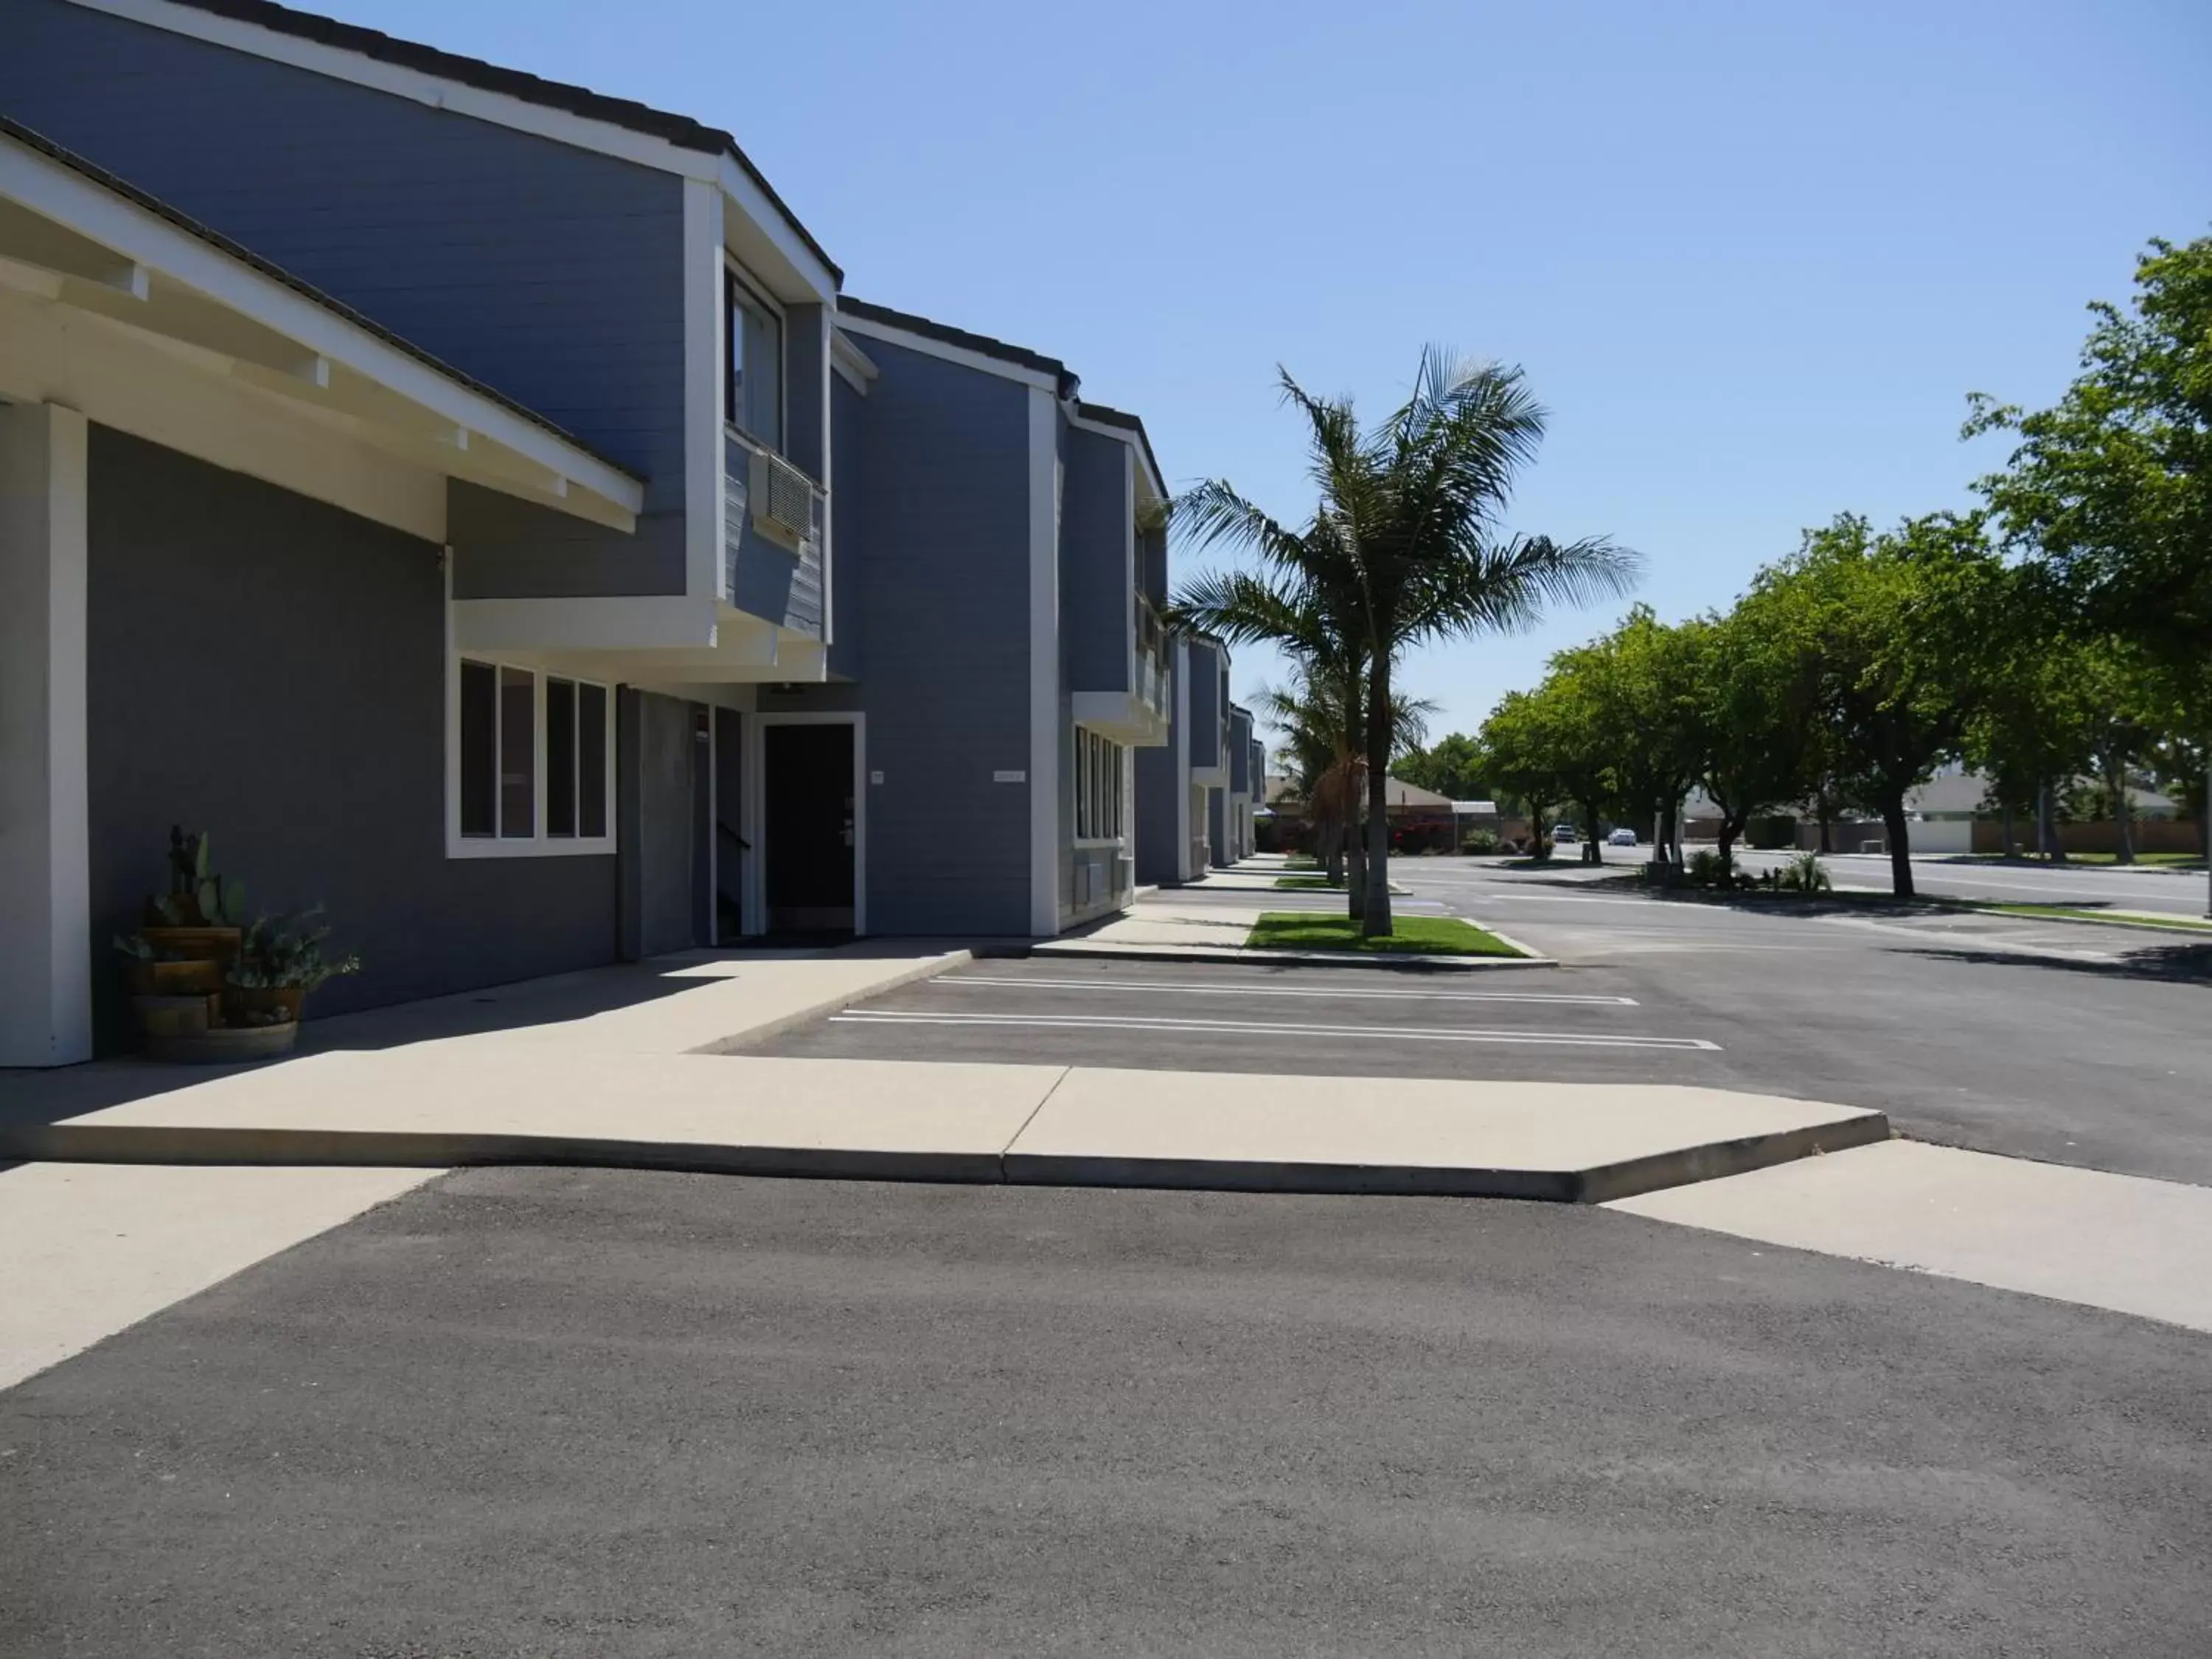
696, 1002
901, 1120
2107, 1240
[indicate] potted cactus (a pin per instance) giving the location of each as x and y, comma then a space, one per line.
279, 962
198, 918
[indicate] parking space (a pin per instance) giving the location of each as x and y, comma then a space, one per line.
1281, 1020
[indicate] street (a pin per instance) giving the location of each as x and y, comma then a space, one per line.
2143, 887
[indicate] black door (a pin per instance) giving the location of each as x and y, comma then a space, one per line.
806, 812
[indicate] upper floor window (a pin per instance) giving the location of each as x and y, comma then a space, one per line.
752, 381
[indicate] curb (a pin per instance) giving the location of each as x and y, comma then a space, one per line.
1598, 1184
738, 1041
1237, 954
430, 1149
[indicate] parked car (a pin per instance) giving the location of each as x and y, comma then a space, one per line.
1562, 834
1623, 836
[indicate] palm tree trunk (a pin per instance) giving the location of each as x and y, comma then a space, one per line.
1355, 875
1376, 923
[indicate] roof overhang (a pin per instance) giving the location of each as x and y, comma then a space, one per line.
80, 241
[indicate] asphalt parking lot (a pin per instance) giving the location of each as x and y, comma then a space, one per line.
592, 1413
2048, 1040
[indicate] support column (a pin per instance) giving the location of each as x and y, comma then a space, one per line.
45, 888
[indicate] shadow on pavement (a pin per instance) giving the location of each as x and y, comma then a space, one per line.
2172, 964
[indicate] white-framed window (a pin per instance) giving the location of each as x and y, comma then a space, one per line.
752, 378
1100, 795
529, 760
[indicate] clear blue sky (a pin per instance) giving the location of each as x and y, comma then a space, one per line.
1752, 256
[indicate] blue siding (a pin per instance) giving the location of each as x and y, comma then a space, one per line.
552, 273
1163, 783
1208, 716
764, 577
932, 550
848, 435
311, 746
1096, 580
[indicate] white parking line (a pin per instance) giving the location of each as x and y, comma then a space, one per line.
1232, 988
1266, 1028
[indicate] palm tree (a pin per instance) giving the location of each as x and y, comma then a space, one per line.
1321, 730
1405, 546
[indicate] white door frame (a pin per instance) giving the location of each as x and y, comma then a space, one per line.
752, 757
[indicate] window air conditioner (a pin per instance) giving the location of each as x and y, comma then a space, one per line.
782, 500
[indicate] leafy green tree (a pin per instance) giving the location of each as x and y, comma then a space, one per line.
1549, 745
2111, 486
1645, 677
1757, 686
1902, 621
1409, 521
1453, 768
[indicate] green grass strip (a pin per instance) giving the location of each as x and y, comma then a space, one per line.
1434, 936
1309, 884
2067, 913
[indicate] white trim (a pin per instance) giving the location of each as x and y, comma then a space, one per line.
45, 884
1135, 446
931, 347
853, 365
827, 342
1181, 754
439, 92
705, 356
323, 338
1044, 662
752, 757
632, 623
539, 843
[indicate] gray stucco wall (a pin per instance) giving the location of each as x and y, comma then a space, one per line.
932, 549
1216, 827
1096, 579
272, 671
552, 273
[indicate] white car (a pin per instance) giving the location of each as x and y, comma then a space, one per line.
1623, 836
1562, 834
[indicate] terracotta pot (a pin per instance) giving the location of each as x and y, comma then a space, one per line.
175, 979
216, 945
241, 1000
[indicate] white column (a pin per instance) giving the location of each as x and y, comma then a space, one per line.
46, 889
